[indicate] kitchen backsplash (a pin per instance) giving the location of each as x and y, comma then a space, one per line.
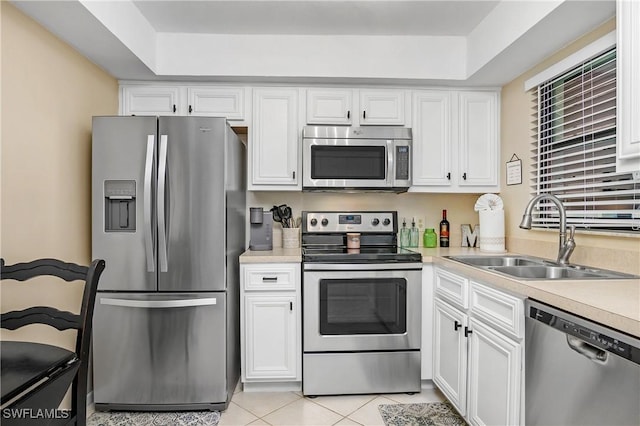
425, 208
620, 260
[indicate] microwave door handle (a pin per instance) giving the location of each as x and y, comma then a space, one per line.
390, 164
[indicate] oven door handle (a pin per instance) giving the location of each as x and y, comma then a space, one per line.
413, 266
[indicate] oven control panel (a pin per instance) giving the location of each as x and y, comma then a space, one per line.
331, 222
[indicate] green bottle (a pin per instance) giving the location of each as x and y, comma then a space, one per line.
430, 239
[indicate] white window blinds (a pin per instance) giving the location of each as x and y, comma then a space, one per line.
574, 150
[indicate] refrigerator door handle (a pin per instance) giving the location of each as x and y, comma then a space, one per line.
154, 304
162, 198
148, 225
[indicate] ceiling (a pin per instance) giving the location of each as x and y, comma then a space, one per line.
437, 18
426, 42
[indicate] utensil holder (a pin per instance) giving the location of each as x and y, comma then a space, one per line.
290, 237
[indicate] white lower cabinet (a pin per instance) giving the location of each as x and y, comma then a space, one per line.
270, 326
478, 356
450, 354
495, 364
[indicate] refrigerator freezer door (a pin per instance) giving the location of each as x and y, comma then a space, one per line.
123, 186
159, 351
191, 168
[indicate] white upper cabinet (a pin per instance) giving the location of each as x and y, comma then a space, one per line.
432, 138
455, 141
628, 84
150, 100
478, 139
382, 107
329, 106
357, 107
229, 102
274, 139
213, 101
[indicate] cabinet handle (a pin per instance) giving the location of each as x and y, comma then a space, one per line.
174, 108
456, 325
448, 176
467, 332
364, 114
464, 176
190, 109
269, 279
294, 174
291, 306
348, 114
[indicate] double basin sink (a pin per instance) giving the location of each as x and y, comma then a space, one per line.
535, 268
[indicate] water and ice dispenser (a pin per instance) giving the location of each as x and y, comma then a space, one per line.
120, 206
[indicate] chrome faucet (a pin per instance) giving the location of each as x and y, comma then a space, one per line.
566, 243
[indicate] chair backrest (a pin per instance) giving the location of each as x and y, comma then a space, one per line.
61, 320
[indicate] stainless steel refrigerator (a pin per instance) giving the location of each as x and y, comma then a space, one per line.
168, 200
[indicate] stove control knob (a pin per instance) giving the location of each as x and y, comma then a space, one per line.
325, 222
386, 222
314, 221
375, 221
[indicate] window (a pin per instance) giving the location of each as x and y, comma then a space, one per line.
574, 150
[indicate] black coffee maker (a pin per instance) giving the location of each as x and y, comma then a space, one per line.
261, 229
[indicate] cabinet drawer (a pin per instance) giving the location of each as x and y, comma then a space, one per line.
453, 288
270, 277
500, 310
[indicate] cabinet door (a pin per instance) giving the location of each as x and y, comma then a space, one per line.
270, 340
628, 86
151, 100
478, 139
273, 144
382, 107
450, 354
327, 106
226, 102
432, 138
495, 377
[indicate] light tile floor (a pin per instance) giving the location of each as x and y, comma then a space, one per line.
292, 408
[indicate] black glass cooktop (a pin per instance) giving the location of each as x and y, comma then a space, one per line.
361, 255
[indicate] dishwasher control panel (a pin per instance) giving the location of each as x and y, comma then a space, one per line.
593, 335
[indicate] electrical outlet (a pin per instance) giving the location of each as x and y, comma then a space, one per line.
420, 222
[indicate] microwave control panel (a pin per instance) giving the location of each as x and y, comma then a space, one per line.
402, 162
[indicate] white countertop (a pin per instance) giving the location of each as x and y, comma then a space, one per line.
614, 303
277, 255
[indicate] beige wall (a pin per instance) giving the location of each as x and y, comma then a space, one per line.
606, 251
425, 208
49, 94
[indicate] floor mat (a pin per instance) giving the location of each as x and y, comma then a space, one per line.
183, 418
423, 414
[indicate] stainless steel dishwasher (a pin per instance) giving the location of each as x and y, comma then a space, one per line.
578, 372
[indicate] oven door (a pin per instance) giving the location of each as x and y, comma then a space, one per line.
361, 307
347, 163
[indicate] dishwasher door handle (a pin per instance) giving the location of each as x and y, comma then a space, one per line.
585, 349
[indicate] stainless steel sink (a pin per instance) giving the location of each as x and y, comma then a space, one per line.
545, 272
535, 268
499, 260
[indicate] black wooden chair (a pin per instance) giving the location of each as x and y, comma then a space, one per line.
36, 376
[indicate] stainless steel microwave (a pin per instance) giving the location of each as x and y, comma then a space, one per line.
339, 158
